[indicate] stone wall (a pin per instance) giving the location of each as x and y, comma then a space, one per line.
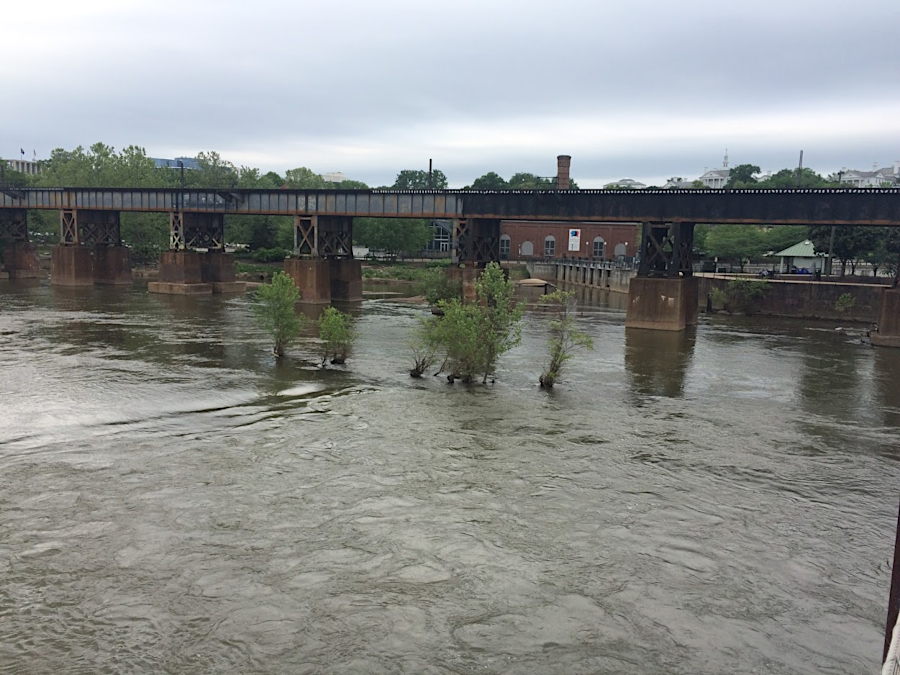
808, 299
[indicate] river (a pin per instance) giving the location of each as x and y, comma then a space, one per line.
172, 500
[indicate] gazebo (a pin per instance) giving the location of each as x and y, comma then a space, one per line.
800, 256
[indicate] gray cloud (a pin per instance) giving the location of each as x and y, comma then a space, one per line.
655, 89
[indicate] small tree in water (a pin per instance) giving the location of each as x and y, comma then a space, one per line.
336, 334
473, 336
565, 336
424, 346
276, 311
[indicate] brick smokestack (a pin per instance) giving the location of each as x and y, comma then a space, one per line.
562, 172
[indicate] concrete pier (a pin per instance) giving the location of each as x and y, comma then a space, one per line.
20, 260
194, 273
659, 303
313, 278
346, 279
112, 265
888, 334
71, 266
468, 275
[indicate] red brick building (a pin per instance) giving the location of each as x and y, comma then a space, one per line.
527, 240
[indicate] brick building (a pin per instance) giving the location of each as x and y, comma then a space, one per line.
527, 240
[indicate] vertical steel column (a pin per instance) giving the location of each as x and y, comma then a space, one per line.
894, 596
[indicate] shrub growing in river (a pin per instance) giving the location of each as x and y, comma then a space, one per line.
565, 337
336, 334
275, 311
473, 336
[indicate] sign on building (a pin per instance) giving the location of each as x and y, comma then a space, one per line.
574, 240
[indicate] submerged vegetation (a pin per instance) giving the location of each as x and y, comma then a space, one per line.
275, 311
471, 336
336, 335
565, 337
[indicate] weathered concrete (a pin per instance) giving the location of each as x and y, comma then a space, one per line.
180, 274
20, 260
313, 278
71, 266
808, 299
662, 304
888, 334
168, 288
112, 265
193, 273
468, 275
346, 280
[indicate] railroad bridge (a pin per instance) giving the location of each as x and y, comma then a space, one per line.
662, 296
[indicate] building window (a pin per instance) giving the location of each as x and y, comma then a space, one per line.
526, 249
620, 250
549, 246
504, 246
598, 247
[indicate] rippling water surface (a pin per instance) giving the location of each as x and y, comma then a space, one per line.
174, 501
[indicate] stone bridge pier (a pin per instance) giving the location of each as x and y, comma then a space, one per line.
20, 258
888, 333
322, 263
664, 294
183, 270
476, 242
90, 250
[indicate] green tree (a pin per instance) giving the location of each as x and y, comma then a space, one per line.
742, 176
214, 172
892, 244
782, 236
303, 178
336, 335
416, 179
424, 345
394, 236
275, 311
793, 178
851, 242
528, 181
565, 337
474, 335
736, 243
490, 181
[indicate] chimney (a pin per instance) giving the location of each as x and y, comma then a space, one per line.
562, 172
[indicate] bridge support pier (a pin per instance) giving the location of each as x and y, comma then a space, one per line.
313, 278
20, 260
476, 243
112, 265
662, 304
664, 294
888, 334
71, 266
195, 273
346, 279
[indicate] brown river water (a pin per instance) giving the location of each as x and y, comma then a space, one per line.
172, 500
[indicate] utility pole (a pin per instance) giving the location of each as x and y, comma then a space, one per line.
430, 181
828, 264
800, 169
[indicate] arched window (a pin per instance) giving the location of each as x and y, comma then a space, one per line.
599, 244
504, 246
620, 250
549, 246
527, 249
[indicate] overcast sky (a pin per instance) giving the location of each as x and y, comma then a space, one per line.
643, 90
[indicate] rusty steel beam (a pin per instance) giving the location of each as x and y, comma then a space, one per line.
830, 206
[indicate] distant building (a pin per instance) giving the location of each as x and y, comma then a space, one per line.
334, 177
23, 166
549, 240
189, 163
875, 178
678, 183
800, 256
625, 184
716, 178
